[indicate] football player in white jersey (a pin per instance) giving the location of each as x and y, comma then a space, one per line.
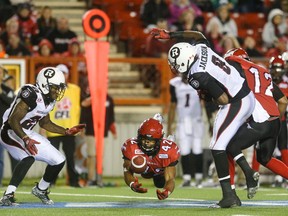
32, 105
190, 128
211, 74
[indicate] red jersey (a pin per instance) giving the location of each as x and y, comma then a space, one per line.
260, 82
283, 85
169, 153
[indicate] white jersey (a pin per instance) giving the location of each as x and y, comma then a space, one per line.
32, 96
216, 66
188, 102
190, 126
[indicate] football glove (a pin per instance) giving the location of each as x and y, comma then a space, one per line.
136, 187
74, 130
163, 194
30, 145
160, 33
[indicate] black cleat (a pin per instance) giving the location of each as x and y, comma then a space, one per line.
252, 185
227, 203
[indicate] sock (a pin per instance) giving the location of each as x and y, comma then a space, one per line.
21, 170
284, 156
43, 185
222, 167
10, 189
255, 163
278, 167
51, 172
185, 162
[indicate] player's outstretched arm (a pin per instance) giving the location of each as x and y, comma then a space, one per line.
169, 174
48, 125
130, 180
164, 34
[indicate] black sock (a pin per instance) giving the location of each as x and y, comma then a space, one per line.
185, 162
21, 170
247, 170
222, 168
52, 172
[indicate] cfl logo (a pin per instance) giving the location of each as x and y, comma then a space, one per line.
175, 52
49, 73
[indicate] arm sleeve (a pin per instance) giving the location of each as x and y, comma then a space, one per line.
204, 81
277, 93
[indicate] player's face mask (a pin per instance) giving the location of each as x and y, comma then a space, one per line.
56, 92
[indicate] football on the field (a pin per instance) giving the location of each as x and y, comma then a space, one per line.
138, 164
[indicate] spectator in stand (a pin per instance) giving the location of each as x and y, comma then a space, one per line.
177, 7
27, 24
45, 48
274, 28
226, 24
153, 10
15, 47
46, 22
61, 36
280, 46
189, 21
249, 46
6, 11
215, 38
74, 49
229, 42
12, 27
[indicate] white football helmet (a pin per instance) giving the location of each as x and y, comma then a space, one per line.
285, 57
51, 78
181, 56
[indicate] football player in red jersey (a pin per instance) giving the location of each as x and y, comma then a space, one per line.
277, 70
264, 125
161, 155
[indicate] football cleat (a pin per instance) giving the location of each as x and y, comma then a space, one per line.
42, 195
227, 203
252, 187
8, 200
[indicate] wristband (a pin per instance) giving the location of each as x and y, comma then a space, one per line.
131, 183
25, 137
169, 192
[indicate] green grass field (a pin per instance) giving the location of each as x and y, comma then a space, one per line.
121, 200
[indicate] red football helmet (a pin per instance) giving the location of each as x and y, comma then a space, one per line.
237, 52
276, 66
149, 136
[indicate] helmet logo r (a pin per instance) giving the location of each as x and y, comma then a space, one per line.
175, 52
49, 73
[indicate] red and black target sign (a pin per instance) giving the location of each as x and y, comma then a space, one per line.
96, 23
